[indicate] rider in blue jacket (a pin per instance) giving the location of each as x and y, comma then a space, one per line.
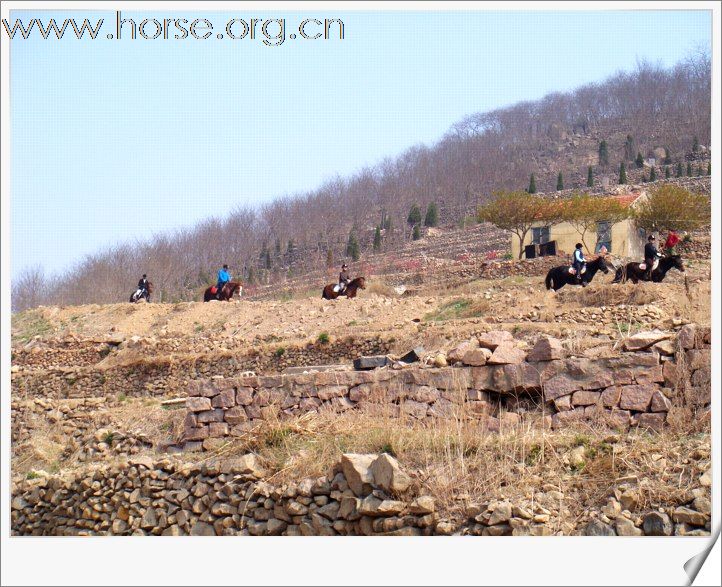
223, 277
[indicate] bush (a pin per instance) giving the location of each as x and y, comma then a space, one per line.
323, 338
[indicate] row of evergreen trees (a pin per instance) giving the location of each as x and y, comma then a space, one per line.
680, 172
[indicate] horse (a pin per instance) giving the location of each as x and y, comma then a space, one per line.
138, 294
635, 274
227, 292
352, 288
558, 277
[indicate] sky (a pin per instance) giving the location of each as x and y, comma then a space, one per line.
117, 140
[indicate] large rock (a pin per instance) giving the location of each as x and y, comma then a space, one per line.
560, 385
644, 340
476, 357
686, 336
546, 349
507, 354
651, 421
248, 464
598, 528
457, 353
355, 468
636, 397
202, 529
585, 398
685, 515
657, 524
388, 475
198, 404
491, 340
368, 363
660, 403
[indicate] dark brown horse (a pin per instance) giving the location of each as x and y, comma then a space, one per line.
632, 271
227, 292
350, 291
138, 294
558, 277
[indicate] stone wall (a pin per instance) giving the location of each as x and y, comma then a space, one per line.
362, 495
168, 376
492, 380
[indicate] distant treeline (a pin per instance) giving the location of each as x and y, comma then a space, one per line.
346, 217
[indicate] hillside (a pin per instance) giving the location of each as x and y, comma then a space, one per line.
649, 111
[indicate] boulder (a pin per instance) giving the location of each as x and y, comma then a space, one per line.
685, 515
686, 336
546, 349
476, 357
657, 524
457, 353
248, 464
356, 470
636, 397
198, 404
660, 403
598, 528
368, 363
387, 474
644, 340
491, 340
507, 354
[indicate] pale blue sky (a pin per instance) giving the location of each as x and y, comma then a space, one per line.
117, 140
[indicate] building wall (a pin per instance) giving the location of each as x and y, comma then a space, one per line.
627, 242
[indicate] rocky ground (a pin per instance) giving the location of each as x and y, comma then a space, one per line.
94, 389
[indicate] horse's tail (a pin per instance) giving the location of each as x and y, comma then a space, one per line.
548, 280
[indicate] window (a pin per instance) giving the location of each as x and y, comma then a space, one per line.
540, 235
604, 236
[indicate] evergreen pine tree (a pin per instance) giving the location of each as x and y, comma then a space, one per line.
695, 145
560, 182
622, 173
603, 153
667, 156
269, 264
417, 232
639, 161
352, 247
590, 177
689, 169
414, 215
652, 174
251, 275
700, 170
680, 171
667, 172
329, 258
532, 185
432, 215
377, 239
709, 167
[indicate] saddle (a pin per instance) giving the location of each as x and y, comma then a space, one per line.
337, 288
214, 290
573, 271
643, 265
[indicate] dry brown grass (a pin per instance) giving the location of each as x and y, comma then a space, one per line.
458, 461
613, 294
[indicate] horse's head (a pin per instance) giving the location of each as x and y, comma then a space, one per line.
676, 261
602, 264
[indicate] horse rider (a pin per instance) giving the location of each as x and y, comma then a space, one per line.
578, 262
143, 287
223, 277
651, 254
344, 278
670, 243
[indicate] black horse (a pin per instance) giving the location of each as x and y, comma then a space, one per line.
558, 277
632, 271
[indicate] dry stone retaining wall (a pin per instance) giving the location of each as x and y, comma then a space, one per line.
499, 386
362, 495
